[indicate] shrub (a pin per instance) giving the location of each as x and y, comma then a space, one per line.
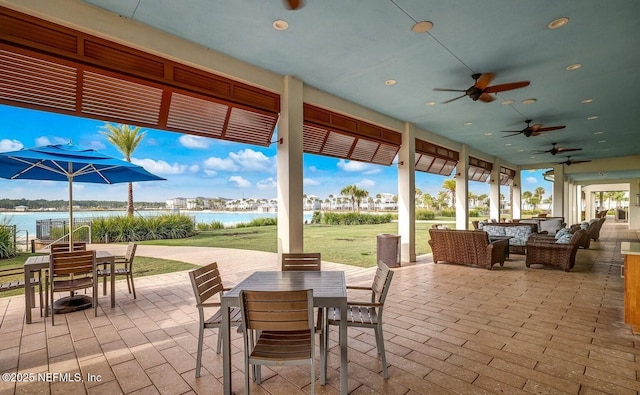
425, 215
355, 218
258, 222
316, 218
125, 228
7, 247
448, 213
210, 226
474, 213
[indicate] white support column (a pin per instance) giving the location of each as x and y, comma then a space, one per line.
462, 190
289, 163
577, 213
494, 191
558, 191
407, 194
516, 196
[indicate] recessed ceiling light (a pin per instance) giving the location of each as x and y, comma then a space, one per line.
557, 23
529, 101
606, 149
586, 101
507, 102
598, 132
468, 123
390, 82
591, 118
602, 141
430, 103
520, 150
488, 134
532, 157
508, 144
574, 66
280, 24
422, 27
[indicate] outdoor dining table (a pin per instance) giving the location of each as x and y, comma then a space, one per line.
329, 290
37, 263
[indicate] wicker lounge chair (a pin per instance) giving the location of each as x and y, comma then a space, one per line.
544, 252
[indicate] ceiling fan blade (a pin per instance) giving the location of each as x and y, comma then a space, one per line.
506, 87
293, 4
487, 98
580, 161
561, 150
455, 98
509, 135
535, 128
448, 90
550, 128
484, 80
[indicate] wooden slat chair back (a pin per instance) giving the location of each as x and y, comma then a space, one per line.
284, 323
307, 261
207, 283
124, 267
72, 271
13, 278
368, 314
64, 247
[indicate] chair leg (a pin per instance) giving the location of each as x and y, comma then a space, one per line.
133, 288
246, 365
380, 345
104, 285
95, 297
199, 357
219, 340
40, 293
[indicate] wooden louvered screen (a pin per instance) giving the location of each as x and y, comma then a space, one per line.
431, 158
479, 170
50, 67
332, 134
506, 176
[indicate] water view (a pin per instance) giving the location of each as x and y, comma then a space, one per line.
26, 221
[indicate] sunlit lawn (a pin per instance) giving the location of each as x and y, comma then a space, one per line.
349, 244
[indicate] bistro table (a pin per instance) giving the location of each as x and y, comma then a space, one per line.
39, 262
329, 290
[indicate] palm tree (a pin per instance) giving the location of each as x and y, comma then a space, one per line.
126, 139
539, 192
450, 185
350, 190
359, 195
526, 196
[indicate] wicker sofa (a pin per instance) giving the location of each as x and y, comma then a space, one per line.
467, 247
544, 251
519, 233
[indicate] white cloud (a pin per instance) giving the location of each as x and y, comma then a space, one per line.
313, 168
160, 166
366, 183
220, 164
194, 168
250, 160
267, 183
357, 167
239, 181
42, 140
194, 142
532, 180
310, 182
96, 145
210, 173
7, 145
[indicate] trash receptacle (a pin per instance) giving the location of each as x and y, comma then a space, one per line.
389, 249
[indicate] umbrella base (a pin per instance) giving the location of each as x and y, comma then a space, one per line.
70, 304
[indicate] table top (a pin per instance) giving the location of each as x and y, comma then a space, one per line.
629, 248
325, 284
44, 259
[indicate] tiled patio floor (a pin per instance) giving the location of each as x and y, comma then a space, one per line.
449, 329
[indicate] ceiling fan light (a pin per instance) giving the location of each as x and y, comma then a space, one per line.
598, 132
586, 101
529, 101
507, 102
591, 118
468, 124
422, 27
390, 82
430, 103
280, 24
558, 23
574, 66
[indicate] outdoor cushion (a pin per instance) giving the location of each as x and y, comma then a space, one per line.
494, 230
551, 226
565, 239
520, 234
584, 225
562, 232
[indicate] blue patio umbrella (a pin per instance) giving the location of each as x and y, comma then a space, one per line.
68, 162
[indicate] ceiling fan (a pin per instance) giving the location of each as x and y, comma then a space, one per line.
557, 150
532, 130
481, 89
570, 161
293, 4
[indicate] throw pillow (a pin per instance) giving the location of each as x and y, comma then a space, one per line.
584, 225
494, 230
562, 232
566, 239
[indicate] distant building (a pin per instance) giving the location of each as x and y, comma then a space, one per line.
21, 208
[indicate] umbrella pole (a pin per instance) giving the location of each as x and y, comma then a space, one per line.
70, 210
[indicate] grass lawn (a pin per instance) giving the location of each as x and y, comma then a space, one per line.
142, 266
350, 244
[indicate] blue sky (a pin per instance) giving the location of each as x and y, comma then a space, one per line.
195, 166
